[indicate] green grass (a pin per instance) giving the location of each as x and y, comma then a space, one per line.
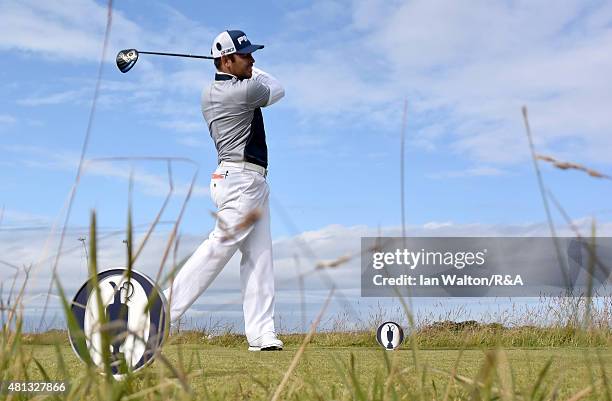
436, 336
224, 372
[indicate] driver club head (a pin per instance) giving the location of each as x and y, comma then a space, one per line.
126, 59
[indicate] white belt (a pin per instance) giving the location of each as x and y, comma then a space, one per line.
246, 166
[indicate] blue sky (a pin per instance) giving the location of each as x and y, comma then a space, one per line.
465, 71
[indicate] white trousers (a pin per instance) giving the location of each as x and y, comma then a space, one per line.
238, 194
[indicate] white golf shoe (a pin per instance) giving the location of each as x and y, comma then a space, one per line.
267, 342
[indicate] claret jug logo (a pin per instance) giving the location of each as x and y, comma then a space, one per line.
135, 329
390, 335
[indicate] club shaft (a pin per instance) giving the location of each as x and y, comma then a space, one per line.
177, 55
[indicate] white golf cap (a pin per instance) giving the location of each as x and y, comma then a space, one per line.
228, 42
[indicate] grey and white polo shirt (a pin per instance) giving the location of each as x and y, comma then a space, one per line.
232, 110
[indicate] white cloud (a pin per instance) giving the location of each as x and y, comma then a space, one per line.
15, 217
319, 13
292, 256
69, 96
469, 68
63, 30
335, 241
434, 225
72, 30
6, 119
192, 142
152, 184
145, 181
185, 126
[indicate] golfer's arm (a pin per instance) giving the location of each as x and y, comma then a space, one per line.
276, 89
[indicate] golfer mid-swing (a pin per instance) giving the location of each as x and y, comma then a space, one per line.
232, 109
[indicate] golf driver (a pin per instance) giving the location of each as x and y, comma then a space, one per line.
127, 58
